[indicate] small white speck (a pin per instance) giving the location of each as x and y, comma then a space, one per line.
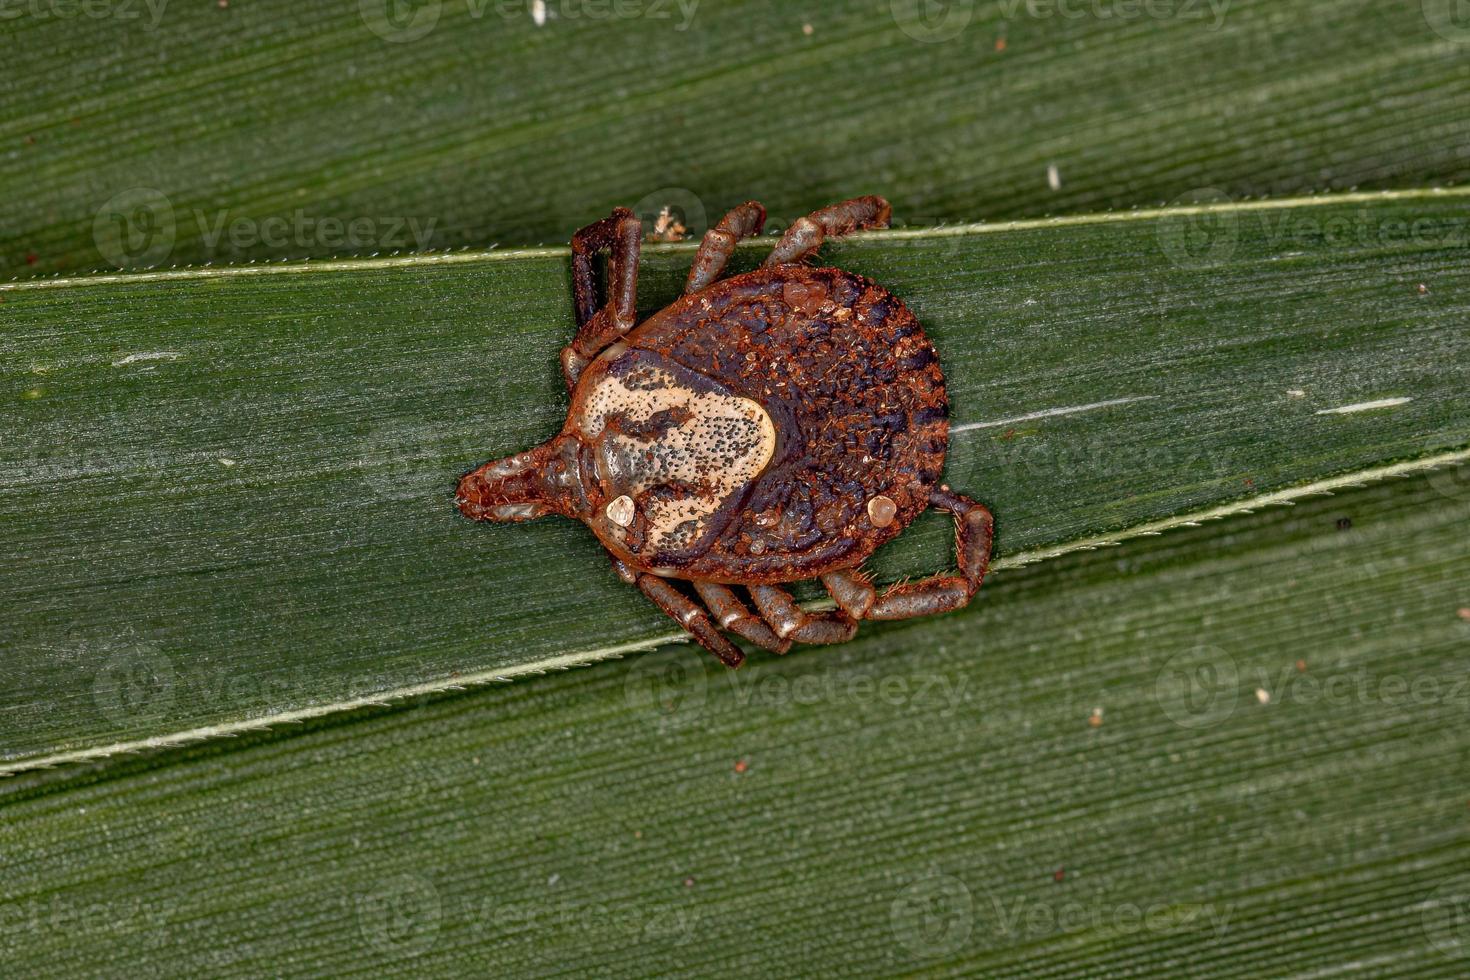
1364, 406
1295, 393
161, 355
1053, 177
553, 880
538, 12
226, 462
1263, 695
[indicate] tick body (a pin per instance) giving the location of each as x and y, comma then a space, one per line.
763, 429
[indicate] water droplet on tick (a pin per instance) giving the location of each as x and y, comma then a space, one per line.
620, 511
881, 510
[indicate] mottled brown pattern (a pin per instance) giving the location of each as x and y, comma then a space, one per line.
858, 398
767, 428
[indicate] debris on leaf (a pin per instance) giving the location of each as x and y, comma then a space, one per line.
667, 228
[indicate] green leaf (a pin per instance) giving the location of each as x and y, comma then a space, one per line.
142, 133
227, 492
1237, 747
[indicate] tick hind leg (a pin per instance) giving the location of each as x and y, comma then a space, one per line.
974, 527
733, 615
719, 244
621, 235
791, 622
807, 234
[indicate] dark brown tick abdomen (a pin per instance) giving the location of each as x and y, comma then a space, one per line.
857, 397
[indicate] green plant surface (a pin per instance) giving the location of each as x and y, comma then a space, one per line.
142, 132
1230, 750
227, 493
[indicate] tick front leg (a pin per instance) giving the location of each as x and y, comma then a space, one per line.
719, 244
791, 622
974, 528
694, 619
621, 235
807, 234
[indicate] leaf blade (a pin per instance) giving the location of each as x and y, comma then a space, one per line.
282, 485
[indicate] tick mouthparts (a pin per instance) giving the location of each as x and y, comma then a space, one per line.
518, 488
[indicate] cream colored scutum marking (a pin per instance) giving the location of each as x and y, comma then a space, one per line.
715, 441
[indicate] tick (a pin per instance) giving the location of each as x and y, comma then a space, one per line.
762, 429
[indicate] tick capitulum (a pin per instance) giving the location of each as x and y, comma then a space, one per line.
765, 428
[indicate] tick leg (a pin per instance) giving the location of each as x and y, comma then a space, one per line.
691, 617
621, 234
732, 615
807, 234
936, 594
852, 591
719, 244
791, 622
